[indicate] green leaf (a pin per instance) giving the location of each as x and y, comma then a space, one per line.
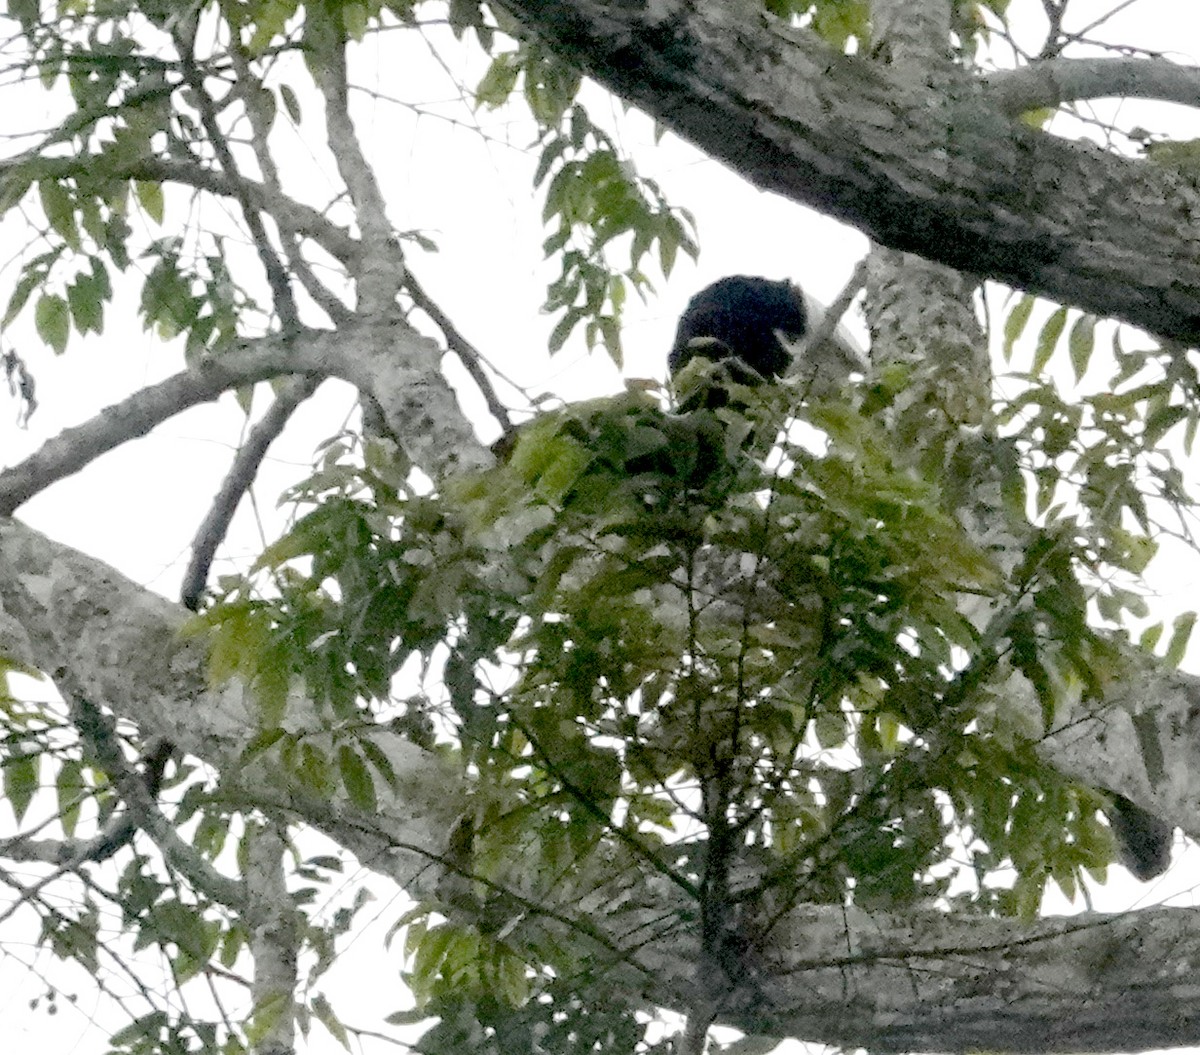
1037, 118
1081, 343
511, 980
1014, 325
59, 207
325, 1015
142, 1034
232, 945
1048, 340
87, 307
497, 85
71, 789
21, 774
270, 22
260, 743
356, 778
383, 765
1181, 633
1149, 639
52, 320
266, 1015
1160, 421
32, 277
354, 18
150, 197
562, 329
290, 102
830, 729
271, 685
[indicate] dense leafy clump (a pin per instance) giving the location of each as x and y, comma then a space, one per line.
724, 651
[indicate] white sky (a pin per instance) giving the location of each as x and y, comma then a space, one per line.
138, 506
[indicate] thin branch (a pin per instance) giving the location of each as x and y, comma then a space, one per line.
99, 731
251, 89
827, 326
136, 415
1080, 34
241, 475
286, 211
467, 353
277, 276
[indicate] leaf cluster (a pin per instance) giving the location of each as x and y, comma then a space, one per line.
722, 645
594, 199
1105, 464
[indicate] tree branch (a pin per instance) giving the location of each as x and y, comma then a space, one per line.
467, 353
927, 982
384, 359
382, 265
958, 183
252, 93
277, 277
286, 211
1055, 81
241, 475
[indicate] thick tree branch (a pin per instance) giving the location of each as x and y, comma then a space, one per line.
957, 183
381, 267
1055, 81
386, 360
929, 982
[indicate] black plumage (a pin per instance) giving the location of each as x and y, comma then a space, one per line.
739, 321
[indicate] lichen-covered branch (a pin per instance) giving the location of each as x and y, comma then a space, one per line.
1056, 81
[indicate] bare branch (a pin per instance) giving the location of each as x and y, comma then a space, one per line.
467, 353
286, 211
251, 91
99, 732
241, 475
1055, 81
277, 276
384, 359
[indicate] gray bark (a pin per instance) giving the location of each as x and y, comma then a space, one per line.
955, 181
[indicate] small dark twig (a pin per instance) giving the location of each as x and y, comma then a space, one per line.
467, 353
